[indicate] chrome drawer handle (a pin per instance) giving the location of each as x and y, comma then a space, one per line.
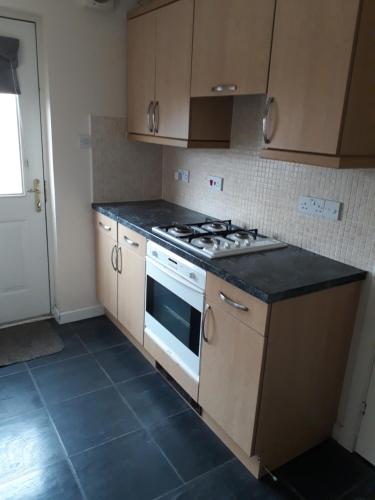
230, 87
269, 102
156, 117
119, 252
105, 227
207, 308
231, 302
131, 242
114, 265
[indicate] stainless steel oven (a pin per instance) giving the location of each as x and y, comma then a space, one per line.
174, 306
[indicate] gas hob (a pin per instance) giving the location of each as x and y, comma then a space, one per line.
217, 238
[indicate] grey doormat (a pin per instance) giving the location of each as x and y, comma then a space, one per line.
28, 341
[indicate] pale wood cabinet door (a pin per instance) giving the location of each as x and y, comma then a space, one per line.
173, 69
231, 364
310, 65
131, 292
232, 45
106, 276
141, 72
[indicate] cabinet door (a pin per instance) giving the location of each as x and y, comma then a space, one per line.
231, 363
173, 69
106, 275
232, 44
131, 292
310, 63
141, 72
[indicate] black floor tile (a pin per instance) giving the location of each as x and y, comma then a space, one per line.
98, 333
53, 482
26, 442
123, 362
190, 445
90, 420
230, 481
12, 369
17, 395
152, 398
73, 346
364, 491
130, 468
325, 472
67, 379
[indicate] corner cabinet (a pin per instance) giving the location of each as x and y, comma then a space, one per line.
159, 76
120, 274
320, 108
271, 374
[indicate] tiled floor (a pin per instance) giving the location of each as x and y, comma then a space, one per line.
96, 421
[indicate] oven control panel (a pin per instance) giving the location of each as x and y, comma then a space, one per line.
178, 265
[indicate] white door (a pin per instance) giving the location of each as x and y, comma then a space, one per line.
24, 278
365, 445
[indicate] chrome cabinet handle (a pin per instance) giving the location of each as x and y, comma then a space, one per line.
231, 302
269, 102
119, 252
207, 308
131, 242
223, 87
114, 249
150, 119
156, 116
105, 227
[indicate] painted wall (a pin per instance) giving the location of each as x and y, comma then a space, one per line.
83, 71
264, 194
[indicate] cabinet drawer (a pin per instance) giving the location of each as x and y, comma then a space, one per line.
239, 304
132, 240
106, 225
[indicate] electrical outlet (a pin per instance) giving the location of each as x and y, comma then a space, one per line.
304, 205
215, 183
318, 207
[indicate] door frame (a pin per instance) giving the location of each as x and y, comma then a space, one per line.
46, 145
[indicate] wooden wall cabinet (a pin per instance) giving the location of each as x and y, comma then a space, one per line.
159, 80
321, 107
271, 375
120, 273
232, 45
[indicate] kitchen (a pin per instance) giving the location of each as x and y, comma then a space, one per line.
200, 163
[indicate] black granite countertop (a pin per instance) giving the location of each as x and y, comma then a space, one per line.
270, 276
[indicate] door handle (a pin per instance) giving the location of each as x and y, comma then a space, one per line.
37, 192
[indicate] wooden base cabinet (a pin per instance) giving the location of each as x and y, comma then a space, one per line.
272, 393
120, 274
106, 273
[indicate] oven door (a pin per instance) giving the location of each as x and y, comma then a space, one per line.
173, 315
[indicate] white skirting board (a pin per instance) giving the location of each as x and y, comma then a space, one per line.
78, 314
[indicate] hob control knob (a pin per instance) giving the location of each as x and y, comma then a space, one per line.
247, 243
226, 245
192, 276
237, 244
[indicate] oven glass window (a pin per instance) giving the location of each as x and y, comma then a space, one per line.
176, 315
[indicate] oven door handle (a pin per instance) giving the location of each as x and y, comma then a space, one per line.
175, 276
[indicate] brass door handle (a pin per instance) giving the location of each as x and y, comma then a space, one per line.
37, 192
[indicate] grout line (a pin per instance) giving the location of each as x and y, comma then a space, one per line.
78, 396
143, 427
67, 458
57, 362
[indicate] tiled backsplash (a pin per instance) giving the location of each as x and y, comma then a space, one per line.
264, 193
122, 170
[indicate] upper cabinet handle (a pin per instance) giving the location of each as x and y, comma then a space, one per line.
150, 119
269, 102
230, 87
104, 226
231, 302
156, 116
131, 242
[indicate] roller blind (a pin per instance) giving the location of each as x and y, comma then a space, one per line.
8, 65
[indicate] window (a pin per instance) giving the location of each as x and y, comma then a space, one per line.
11, 181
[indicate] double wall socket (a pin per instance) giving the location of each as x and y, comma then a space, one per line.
182, 175
318, 207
